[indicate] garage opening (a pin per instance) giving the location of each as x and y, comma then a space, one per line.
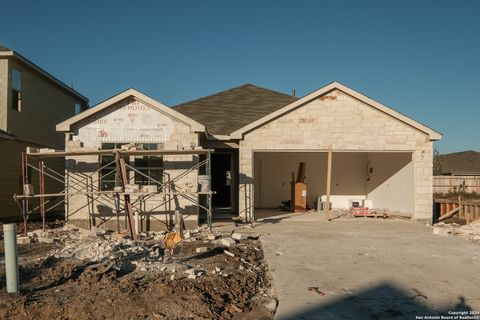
378, 180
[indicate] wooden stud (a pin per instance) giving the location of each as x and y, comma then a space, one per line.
128, 205
329, 182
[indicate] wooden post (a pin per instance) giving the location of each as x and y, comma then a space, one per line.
460, 211
128, 205
179, 223
329, 182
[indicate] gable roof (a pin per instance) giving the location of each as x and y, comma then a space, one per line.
230, 110
67, 124
433, 135
9, 53
460, 163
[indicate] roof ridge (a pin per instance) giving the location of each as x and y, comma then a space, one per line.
229, 90
459, 152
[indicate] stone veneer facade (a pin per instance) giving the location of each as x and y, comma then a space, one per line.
339, 120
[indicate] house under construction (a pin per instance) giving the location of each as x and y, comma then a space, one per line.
234, 152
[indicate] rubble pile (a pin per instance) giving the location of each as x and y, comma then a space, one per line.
469, 231
219, 275
148, 253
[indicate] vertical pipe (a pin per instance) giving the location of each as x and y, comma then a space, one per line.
41, 181
11, 256
24, 201
209, 196
329, 182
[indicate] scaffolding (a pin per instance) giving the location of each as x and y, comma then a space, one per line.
73, 182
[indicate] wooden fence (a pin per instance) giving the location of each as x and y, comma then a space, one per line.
445, 184
463, 210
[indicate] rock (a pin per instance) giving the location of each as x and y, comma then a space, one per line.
163, 268
201, 249
239, 236
45, 240
227, 242
172, 277
272, 305
186, 234
253, 236
192, 276
190, 271
23, 240
241, 268
218, 269
211, 236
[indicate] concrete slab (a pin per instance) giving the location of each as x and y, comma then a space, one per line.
368, 269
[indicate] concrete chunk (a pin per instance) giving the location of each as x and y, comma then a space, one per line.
45, 240
190, 271
239, 236
227, 242
201, 249
211, 236
23, 240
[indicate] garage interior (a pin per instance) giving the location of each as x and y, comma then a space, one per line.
378, 180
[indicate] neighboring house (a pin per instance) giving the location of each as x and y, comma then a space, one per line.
465, 163
259, 137
459, 171
32, 102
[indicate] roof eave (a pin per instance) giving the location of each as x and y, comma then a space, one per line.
44, 73
221, 137
432, 134
66, 125
7, 136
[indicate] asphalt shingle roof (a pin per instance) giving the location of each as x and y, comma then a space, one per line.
227, 111
466, 162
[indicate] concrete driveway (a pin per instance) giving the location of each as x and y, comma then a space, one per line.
368, 269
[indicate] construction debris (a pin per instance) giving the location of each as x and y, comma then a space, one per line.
86, 270
469, 231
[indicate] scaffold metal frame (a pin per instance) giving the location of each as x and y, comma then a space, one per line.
73, 182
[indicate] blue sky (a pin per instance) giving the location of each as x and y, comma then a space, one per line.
421, 58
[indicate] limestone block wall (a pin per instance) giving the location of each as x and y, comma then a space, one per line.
155, 212
347, 124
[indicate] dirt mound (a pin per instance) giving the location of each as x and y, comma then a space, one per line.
206, 285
